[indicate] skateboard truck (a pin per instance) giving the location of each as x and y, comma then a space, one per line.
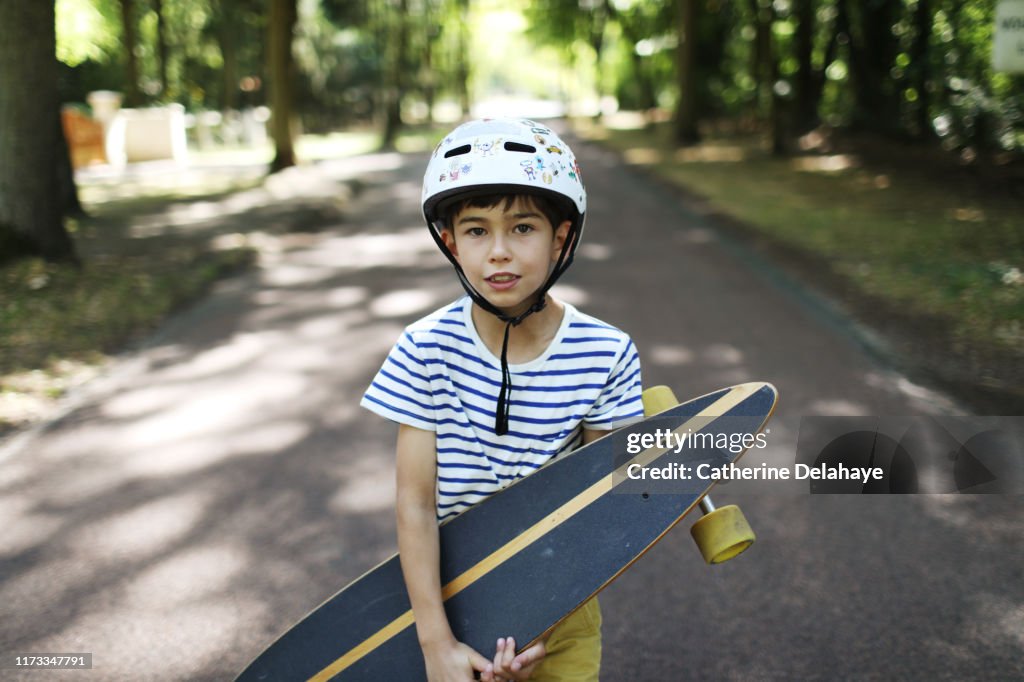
722, 532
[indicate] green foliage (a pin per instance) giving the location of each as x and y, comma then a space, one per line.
86, 30
867, 61
339, 68
865, 58
979, 106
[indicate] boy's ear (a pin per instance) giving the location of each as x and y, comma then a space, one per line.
559, 241
448, 237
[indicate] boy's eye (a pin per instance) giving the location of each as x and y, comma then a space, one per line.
476, 231
523, 228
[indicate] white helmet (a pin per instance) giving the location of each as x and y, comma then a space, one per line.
499, 156
505, 156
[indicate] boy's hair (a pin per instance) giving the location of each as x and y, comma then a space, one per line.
556, 212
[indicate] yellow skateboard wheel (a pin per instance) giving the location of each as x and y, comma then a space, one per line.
658, 399
722, 534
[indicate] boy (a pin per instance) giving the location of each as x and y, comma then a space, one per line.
492, 387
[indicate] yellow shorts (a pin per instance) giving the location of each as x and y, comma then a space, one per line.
574, 648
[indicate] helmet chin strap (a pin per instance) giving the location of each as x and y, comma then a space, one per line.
561, 265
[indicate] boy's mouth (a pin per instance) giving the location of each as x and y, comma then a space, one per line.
502, 280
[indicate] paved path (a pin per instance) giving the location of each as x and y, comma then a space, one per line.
219, 483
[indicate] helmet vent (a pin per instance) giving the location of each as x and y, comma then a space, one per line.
458, 151
520, 147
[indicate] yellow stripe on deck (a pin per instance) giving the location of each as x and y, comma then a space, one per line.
537, 531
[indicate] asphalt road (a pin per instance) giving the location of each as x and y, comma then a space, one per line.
220, 482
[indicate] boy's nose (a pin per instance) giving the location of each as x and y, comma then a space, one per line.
499, 250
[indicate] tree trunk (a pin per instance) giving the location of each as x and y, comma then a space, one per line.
779, 94
283, 15
873, 48
161, 43
818, 81
462, 73
227, 28
395, 87
771, 102
30, 206
132, 94
648, 100
429, 76
921, 67
805, 109
597, 44
229, 74
686, 132
760, 56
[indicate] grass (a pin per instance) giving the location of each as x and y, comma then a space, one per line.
58, 323
52, 312
931, 240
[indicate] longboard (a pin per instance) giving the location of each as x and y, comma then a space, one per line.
528, 556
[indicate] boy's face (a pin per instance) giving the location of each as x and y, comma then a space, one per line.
505, 254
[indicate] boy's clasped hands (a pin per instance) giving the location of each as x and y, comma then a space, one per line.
453, 662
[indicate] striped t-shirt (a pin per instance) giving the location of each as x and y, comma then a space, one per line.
441, 377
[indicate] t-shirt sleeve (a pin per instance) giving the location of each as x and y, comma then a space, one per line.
401, 390
620, 403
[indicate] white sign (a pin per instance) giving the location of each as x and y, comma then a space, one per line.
1008, 45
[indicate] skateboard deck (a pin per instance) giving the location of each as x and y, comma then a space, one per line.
528, 556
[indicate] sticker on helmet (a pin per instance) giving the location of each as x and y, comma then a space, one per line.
453, 171
528, 169
487, 148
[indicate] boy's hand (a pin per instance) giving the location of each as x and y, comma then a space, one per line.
452, 662
508, 666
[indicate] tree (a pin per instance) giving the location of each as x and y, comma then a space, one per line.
563, 24
872, 52
686, 114
921, 68
283, 15
396, 70
132, 94
462, 70
809, 80
30, 208
226, 28
634, 23
161, 43
805, 108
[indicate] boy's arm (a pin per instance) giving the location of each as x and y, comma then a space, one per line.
590, 435
419, 545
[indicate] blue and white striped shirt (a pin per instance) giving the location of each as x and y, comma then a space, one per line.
441, 377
